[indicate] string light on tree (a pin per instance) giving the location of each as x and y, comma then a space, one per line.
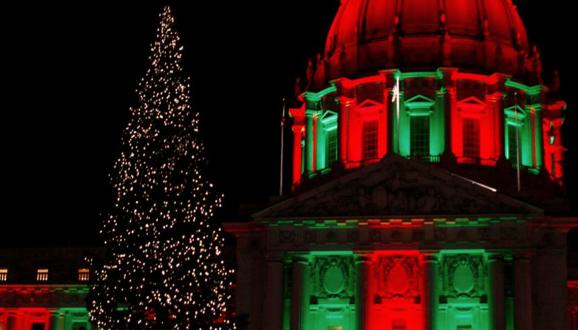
164, 268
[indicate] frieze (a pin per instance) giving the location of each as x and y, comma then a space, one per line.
298, 237
35, 296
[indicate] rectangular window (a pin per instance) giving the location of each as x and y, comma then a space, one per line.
83, 274
471, 134
3, 275
42, 275
513, 143
38, 326
331, 141
419, 136
370, 136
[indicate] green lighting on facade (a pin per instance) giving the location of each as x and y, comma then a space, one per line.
328, 293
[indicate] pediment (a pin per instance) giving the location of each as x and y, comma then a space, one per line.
420, 99
396, 187
473, 101
369, 104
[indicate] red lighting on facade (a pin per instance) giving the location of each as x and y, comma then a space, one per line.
395, 285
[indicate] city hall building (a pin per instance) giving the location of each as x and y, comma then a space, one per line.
427, 174
427, 190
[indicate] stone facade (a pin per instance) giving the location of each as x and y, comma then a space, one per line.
377, 266
45, 289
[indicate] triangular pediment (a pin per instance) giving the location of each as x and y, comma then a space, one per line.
420, 99
369, 104
472, 100
397, 187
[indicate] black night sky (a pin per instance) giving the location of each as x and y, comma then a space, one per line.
70, 71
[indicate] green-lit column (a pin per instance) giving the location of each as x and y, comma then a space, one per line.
299, 295
325, 126
526, 141
438, 119
496, 277
403, 128
309, 142
538, 137
431, 280
523, 293
401, 121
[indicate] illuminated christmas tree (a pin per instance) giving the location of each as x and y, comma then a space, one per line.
164, 268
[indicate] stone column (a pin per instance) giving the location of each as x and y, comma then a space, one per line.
309, 140
430, 298
244, 274
56, 320
298, 294
523, 293
496, 275
550, 285
11, 320
450, 112
272, 310
363, 291
297, 152
495, 101
18, 320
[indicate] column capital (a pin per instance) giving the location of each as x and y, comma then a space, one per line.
54, 312
300, 259
363, 259
494, 257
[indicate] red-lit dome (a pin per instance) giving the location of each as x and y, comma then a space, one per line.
474, 35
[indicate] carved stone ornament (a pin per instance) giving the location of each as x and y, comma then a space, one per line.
464, 276
398, 276
333, 277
